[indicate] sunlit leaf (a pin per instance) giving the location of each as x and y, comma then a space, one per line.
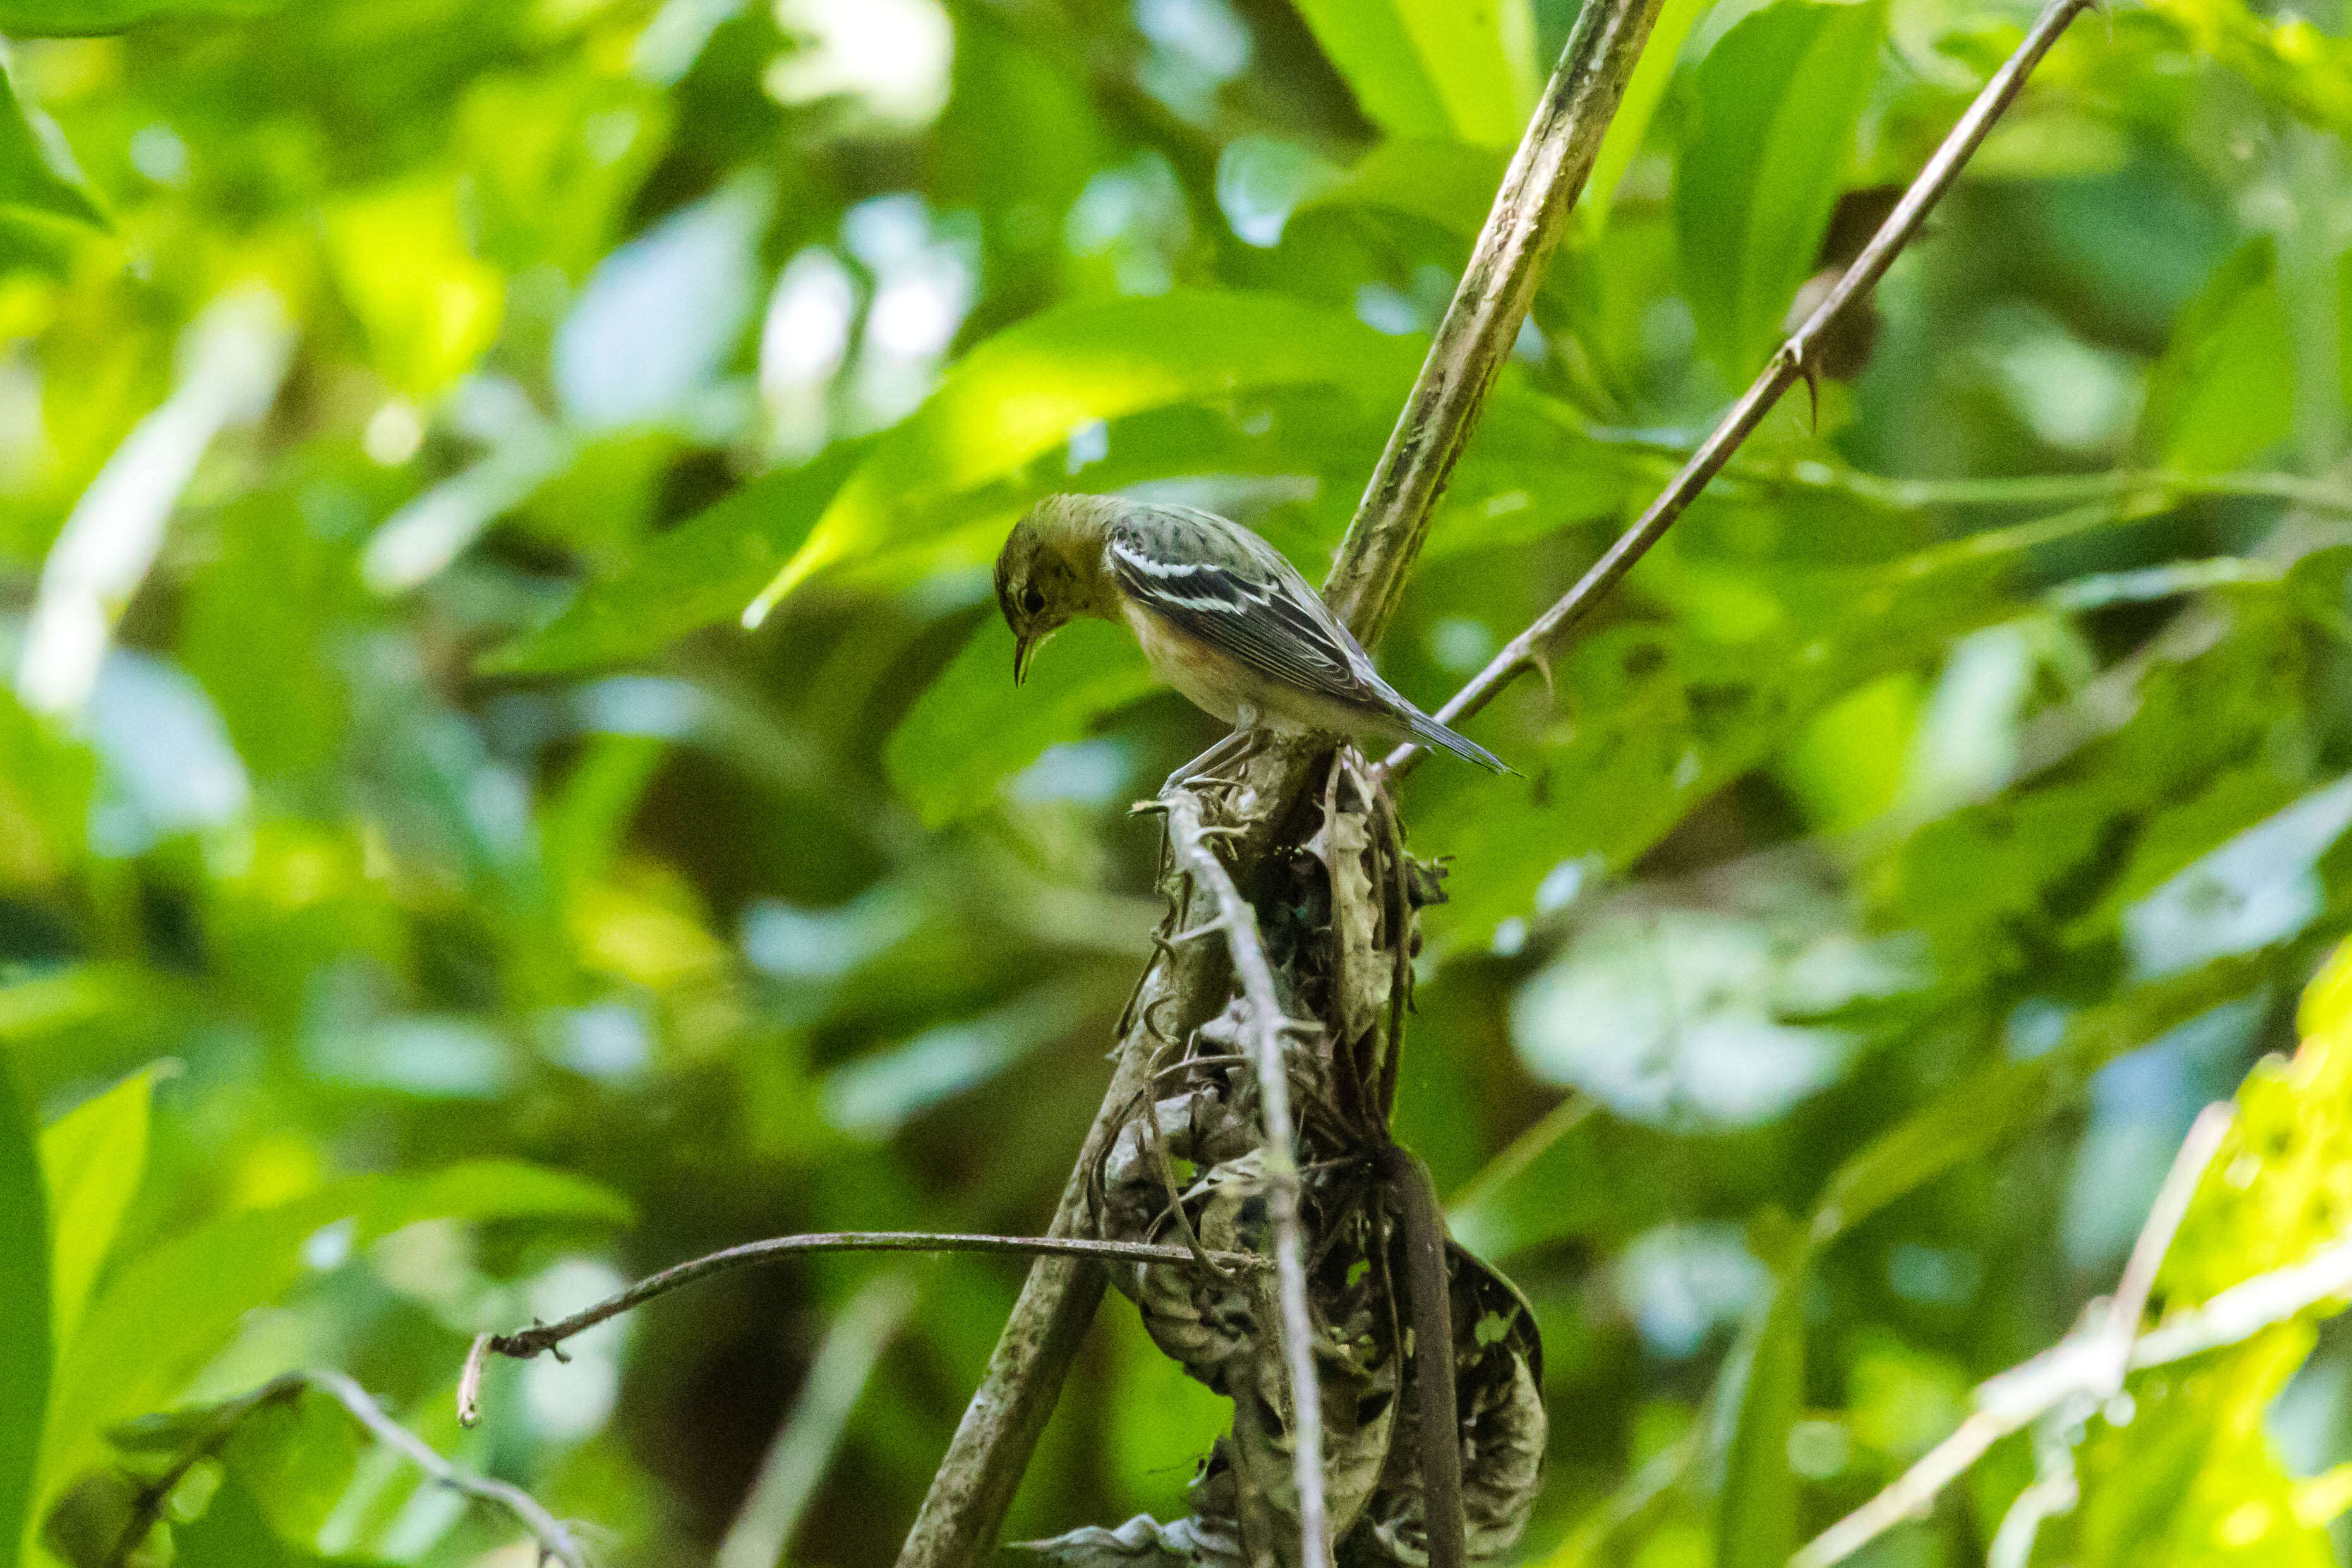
1431, 68
1777, 97
1023, 393
92, 1158
25, 1334
2194, 1475
429, 306
696, 574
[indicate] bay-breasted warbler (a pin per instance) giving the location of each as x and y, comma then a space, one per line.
1221, 616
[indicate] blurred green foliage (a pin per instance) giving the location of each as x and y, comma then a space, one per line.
423, 903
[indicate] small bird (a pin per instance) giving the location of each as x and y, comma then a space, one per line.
1221, 615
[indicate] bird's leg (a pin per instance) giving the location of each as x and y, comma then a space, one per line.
1232, 747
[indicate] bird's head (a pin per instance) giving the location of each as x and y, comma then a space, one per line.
1050, 571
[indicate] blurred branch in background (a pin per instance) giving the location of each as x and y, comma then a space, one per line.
222, 1425
1534, 647
804, 1447
2082, 1373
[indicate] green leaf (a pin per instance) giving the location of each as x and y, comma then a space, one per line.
93, 18
1442, 182
971, 730
1443, 69
1021, 396
234, 1532
1643, 90
497, 1189
1655, 717
2223, 393
1762, 1389
92, 1157
166, 1312
2004, 1098
36, 173
1779, 98
24, 1329
696, 574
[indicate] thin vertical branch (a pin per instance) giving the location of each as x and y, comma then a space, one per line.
1793, 363
1435, 1413
1538, 191
1239, 922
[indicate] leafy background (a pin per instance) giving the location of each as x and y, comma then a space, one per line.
423, 903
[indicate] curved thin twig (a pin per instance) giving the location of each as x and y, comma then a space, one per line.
525, 1343
1266, 1028
554, 1539
1793, 363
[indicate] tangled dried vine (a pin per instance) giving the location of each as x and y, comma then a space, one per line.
1334, 926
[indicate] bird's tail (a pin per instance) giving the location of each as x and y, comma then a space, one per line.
1430, 732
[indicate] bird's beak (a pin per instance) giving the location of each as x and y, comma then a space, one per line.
1023, 650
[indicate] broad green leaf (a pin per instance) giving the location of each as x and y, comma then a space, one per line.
92, 1157
1457, 69
36, 173
1643, 90
696, 574
1445, 183
1763, 1388
972, 729
1778, 101
25, 1331
2004, 1098
497, 1189
1023, 394
2224, 392
92, 19
234, 1532
165, 1312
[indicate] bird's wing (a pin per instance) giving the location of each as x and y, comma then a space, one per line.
1224, 585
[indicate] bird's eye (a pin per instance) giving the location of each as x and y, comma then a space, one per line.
1032, 601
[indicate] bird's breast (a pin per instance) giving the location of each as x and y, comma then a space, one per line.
1210, 680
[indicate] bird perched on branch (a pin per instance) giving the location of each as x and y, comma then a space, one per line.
1221, 615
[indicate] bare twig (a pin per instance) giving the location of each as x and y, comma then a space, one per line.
554, 1539
1791, 364
525, 1343
1482, 323
1239, 921
2129, 1303
2086, 1368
